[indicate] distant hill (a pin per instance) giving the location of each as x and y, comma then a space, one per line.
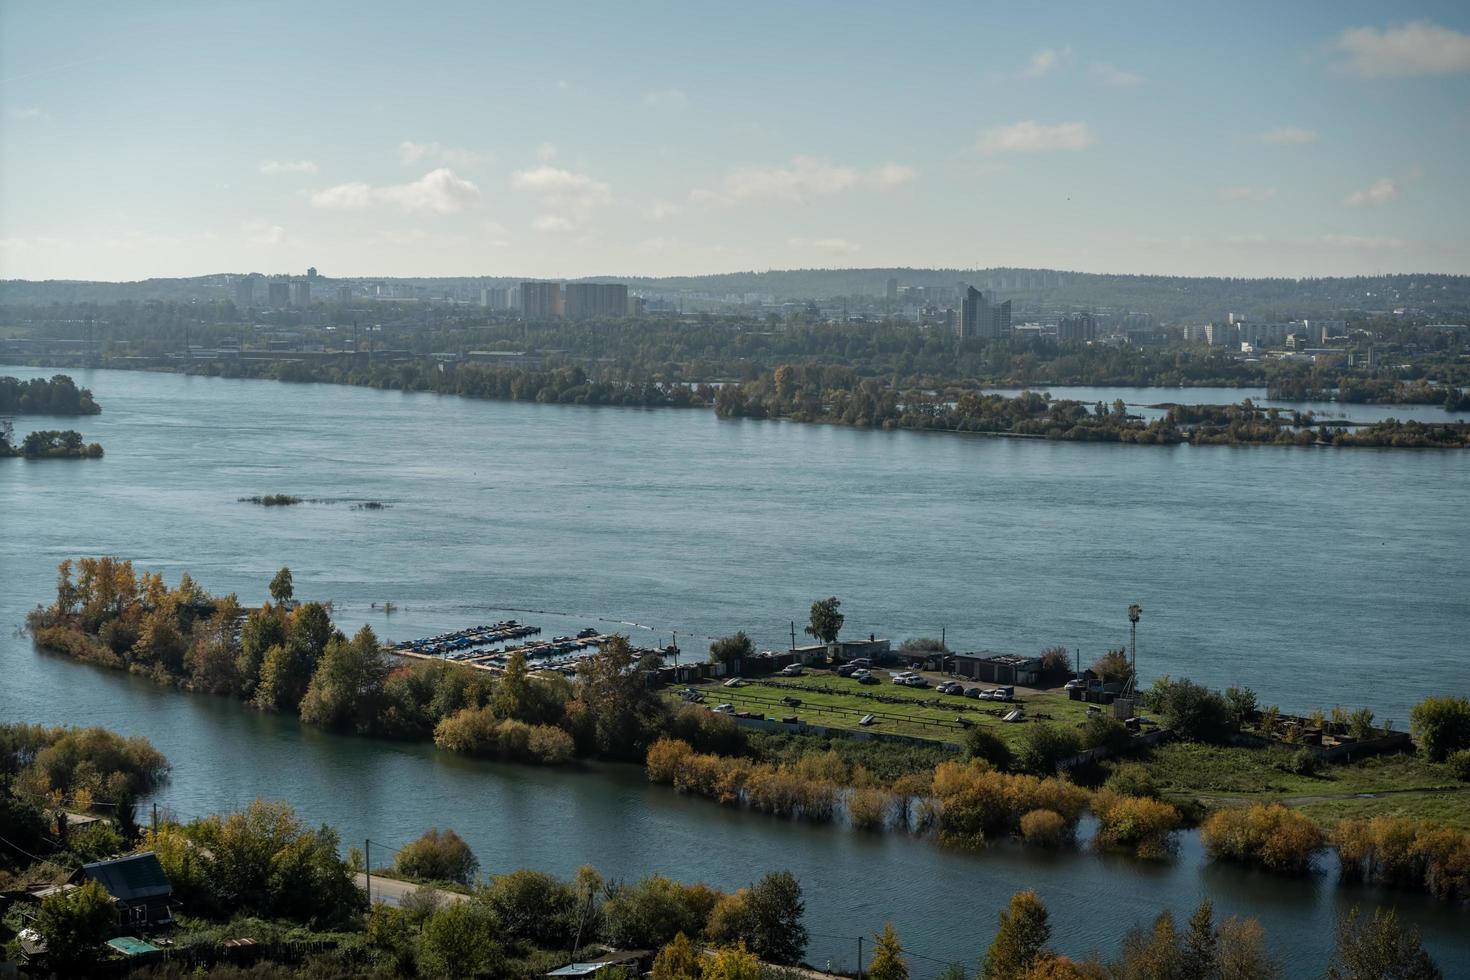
1169, 297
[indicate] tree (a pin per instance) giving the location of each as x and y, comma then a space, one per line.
1441, 725
1201, 954
535, 907
826, 621
346, 692
437, 856
733, 963
1191, 711
1242, 953
1242, 704
281, 589
1112, 667
982, 743
74, 924
730, 650
1044, 746
888, 961
617, 700
459, 941
774, 910
677, 961
1021, 941
1379, 949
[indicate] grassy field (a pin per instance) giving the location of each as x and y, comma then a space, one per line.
1400, 785
840, 702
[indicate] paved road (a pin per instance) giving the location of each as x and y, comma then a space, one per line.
392, 891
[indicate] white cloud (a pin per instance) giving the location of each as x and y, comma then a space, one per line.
835, 246
263, 233
1362, 241
1288, 136
561, 189
279, 168
1380, 192
805, 178
1047, 59
410, 153
437, 192
669, 98
663, 210
1246, 193
1033, 137
1416, 48
553, 222
1112, 75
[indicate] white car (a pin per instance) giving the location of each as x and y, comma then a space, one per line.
792, 670
734, 682
723, 709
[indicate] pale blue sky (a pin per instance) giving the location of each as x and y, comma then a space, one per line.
566, 139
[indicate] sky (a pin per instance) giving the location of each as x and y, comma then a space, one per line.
646, 138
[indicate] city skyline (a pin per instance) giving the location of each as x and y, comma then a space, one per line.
1250, 142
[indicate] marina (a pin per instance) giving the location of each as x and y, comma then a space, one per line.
476, 646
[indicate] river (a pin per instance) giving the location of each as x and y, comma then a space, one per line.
1319, 576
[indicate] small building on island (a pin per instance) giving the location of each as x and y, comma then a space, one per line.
998, 668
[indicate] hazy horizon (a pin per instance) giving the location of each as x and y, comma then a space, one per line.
565, 140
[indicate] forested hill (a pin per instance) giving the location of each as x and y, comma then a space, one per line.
1171, 297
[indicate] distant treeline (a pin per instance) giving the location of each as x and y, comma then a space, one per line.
48, 444
57, 395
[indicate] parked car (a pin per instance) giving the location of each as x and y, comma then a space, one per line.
974, 692
915, 680
902, 677
734, 682
846, 670
951, 687
1074, 683
724, 709
792, 670
868, 679
861, 662
860, 673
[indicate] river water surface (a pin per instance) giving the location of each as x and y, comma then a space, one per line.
1318, 576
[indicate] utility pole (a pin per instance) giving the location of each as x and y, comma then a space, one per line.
675, 645
793, 634
860, 958
367, 867
155, 818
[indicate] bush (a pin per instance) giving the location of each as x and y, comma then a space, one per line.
1136, 823
982, 743
1304, 762
1132, 779
649, 914
1268, 836
1459, 762
868, 807
707, 731
437, 856
1191, 711
1441, 725
457, 941
975, 802
1405, 852
1046, 828
1102, 732
549, 745
1044, 746
533, 906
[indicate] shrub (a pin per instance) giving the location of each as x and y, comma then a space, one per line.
1459, 761
1304, 762
1405, 852
1268, 836
533, 906
1046, 828
1113, 667
1441, 725
1137, 823
982, 743
974, 802
707, 731
652, 912
1102, 732
868, 807
1191, 711
1044, 746
1132, 779
437, 856
550, 745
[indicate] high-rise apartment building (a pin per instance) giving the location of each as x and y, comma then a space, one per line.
301, 292
495, 298
278, 293
981, 319
1078, 328
540, 300
245, 292
589, 300
344, 294
892, 293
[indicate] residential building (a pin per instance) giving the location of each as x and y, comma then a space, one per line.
344, 294
590, 300
1079, 328
1222, 334
278, 292
245, 292
140, 891
998, 668
495, 298
301, 292
981, 319
892, 293
541, 300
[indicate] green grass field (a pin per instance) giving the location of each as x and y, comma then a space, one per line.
1401, 785
840, 702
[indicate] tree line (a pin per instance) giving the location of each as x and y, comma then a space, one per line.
57, 395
